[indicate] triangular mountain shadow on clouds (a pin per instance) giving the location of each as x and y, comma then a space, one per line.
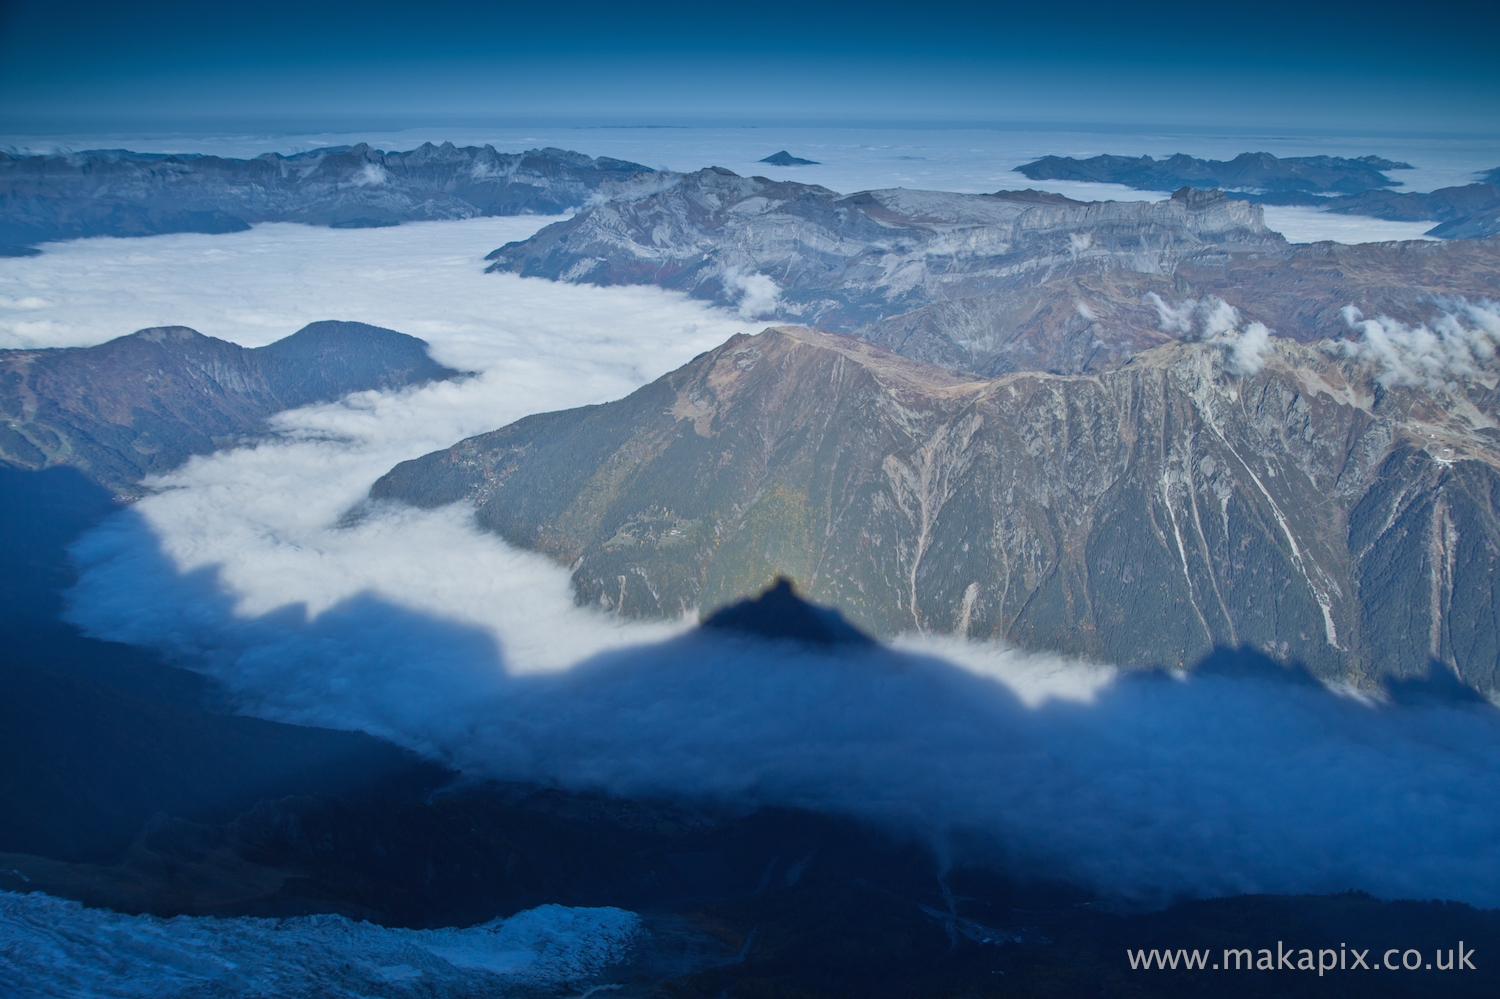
778, 612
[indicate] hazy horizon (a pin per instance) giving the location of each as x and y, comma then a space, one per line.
1286, 65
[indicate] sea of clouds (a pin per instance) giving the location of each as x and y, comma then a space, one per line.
418, 627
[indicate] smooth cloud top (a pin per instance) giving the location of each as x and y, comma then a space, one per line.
416, 626
1214, 321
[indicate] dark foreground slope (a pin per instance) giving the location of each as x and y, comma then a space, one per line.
1013, 281
1142, 515
144, 403
96, 737
774, 903
120, 193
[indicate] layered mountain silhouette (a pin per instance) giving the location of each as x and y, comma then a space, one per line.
1348, 186
114, 192
785, 158
1259, 172
1012, 281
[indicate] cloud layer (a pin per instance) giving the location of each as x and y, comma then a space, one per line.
1459, 345
1145, 787
413, 625
1216, 322
416, 626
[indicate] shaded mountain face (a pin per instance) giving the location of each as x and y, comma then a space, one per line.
120, 193
1247, 171
1142, 515
988, 284
143, 403
1448, 204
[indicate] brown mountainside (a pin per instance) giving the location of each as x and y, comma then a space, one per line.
1142, 515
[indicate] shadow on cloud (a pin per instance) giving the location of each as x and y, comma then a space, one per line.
1238, 778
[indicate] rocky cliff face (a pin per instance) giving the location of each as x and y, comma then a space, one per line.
988, 284
118, 193
1141, 515
143, 403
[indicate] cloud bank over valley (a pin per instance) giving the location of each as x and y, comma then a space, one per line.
416, 626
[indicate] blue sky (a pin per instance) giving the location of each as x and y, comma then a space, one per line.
1379, 65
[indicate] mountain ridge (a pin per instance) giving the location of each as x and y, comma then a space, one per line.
1142, 515
142, 403
1010, 281
1253, 171
121, 193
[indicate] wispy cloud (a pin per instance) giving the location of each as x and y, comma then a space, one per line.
1458, 345
758, 294
1213, 320
371, 174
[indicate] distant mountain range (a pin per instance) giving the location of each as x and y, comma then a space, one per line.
144, 403
1012, 281
1246, 172
785, 158
121, 193
1333, 183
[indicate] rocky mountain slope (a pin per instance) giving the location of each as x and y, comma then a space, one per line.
987, 283
1313, 510
143, 403
120, 193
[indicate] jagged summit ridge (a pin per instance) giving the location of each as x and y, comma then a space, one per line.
1143, 515
1010, 281
852, 263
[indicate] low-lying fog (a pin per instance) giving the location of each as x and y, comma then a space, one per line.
417, 627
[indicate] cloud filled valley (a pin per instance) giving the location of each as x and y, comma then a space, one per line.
416, 626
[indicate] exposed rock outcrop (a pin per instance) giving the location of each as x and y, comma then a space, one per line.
1014, 281
1141, 515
